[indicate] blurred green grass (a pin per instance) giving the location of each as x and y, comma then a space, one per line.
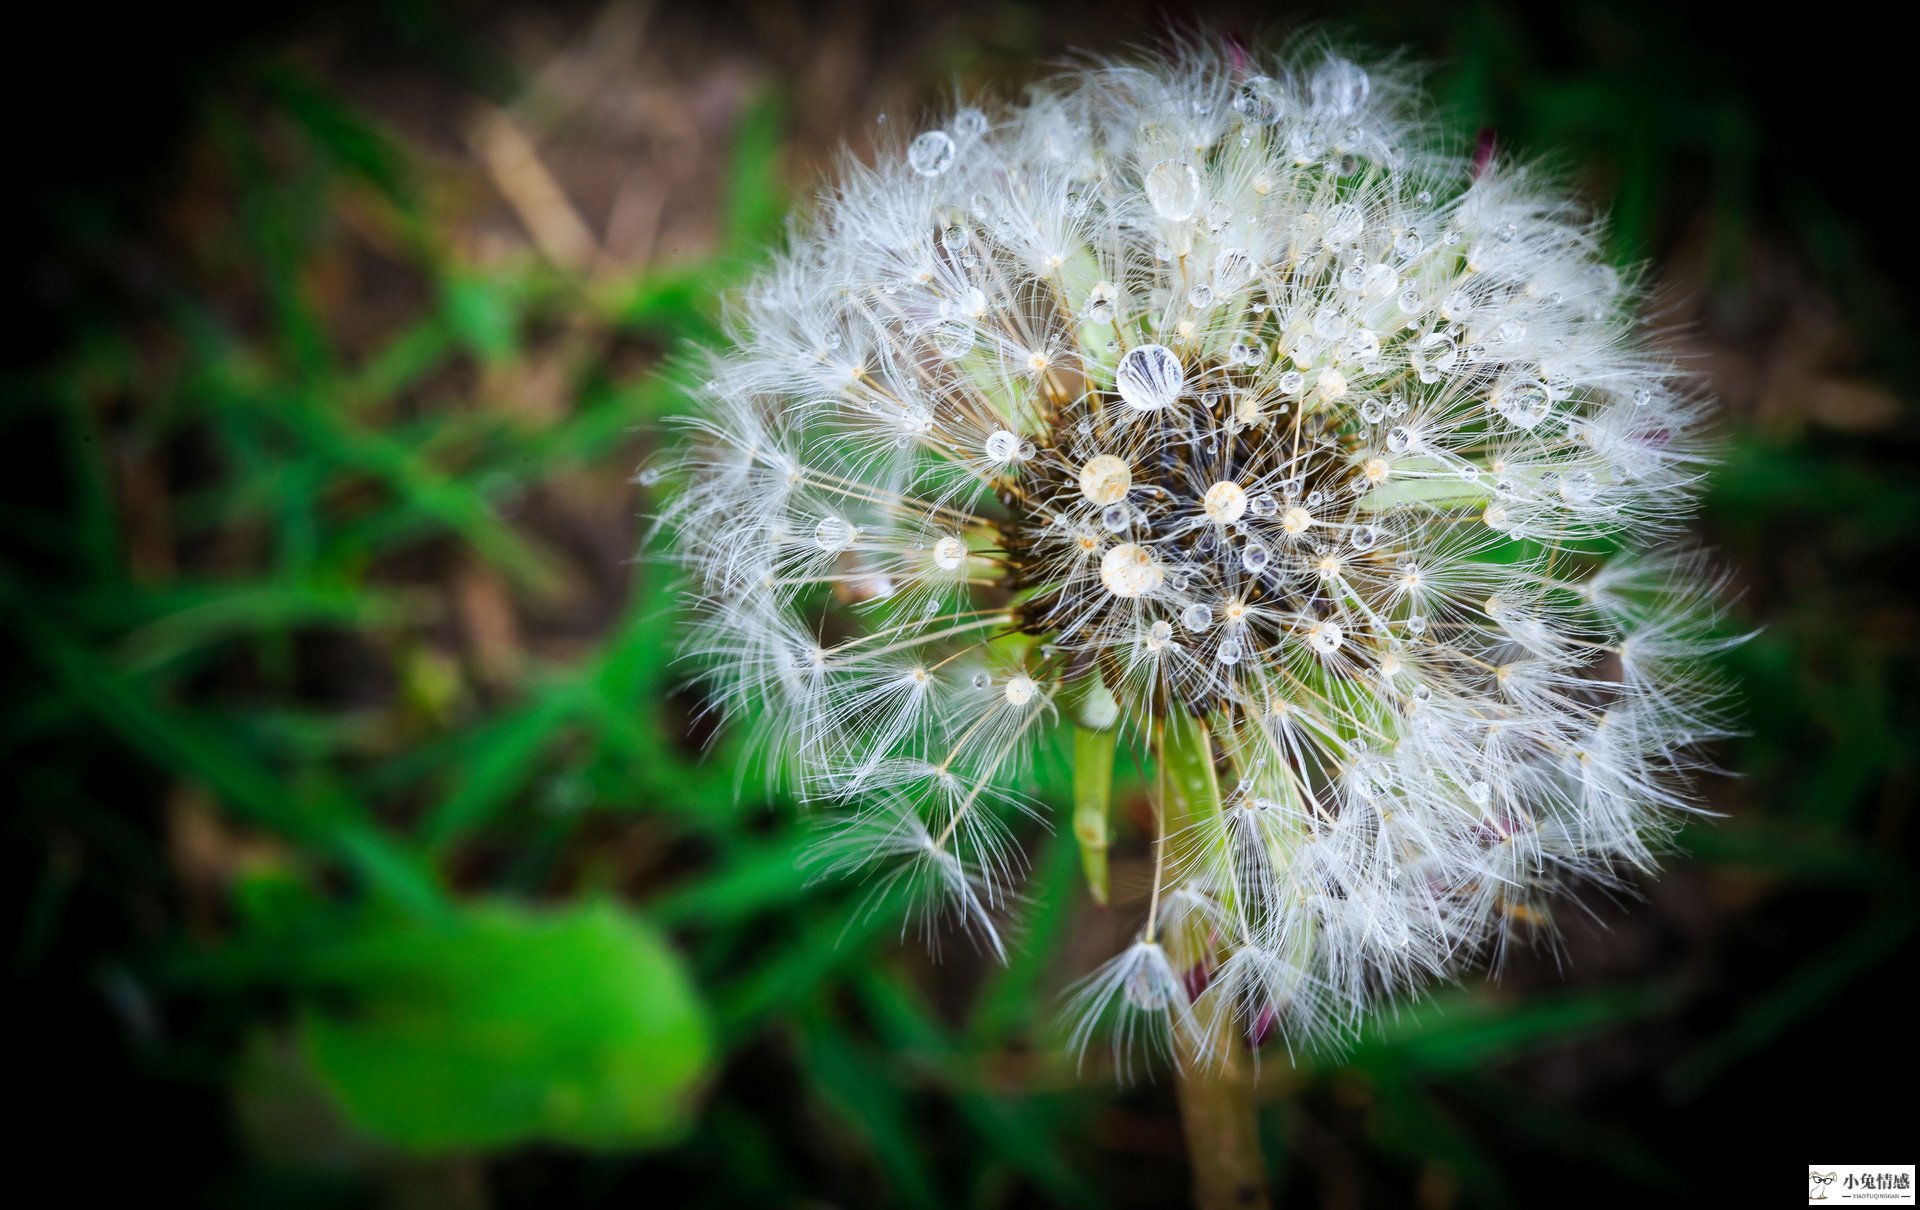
312, 654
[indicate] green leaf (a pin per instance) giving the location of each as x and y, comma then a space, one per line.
502, 1026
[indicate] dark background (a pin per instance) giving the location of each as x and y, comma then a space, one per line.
318, 420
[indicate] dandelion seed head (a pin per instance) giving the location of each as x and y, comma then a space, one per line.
1200, 388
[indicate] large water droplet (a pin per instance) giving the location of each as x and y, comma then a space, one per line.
931, 154
1339, 87
1150, 377
834, 534
1100, 302
1173, 189
953, 338
1524, 404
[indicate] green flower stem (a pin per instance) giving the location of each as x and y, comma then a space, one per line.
1213, 1077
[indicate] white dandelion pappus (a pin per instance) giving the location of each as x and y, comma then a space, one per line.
1194, 401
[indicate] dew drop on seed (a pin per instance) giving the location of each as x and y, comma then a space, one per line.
981, 680
949, 553
1100, 302
1256, 101
1196, 618
1150, 377
1291, 382
1232, 269
1200, 297
1254, 557
1160, 631
931, 154
954, 238
1407, 244
1228, 652
1264, 505
1173, 190
1417, 624
1524, 404
834, 534
1435, 356
1480, 793
953, 338
1326, 637
1366, 537
1114, 517
1399, 438
1002, 446
970, 123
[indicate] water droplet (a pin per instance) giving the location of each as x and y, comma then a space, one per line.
1417, 625
1161, 631
835, 534
1480, 793
1524, 404
949, 553
1366, 537
1372, 412
953, 338
1399, 438
1200, 297
1100, 302
1150, 377
1291, 382
970, 123
1407, 244
1019, 690
1435, 356
1326, 637
1228, 652
1232, 269
981, 680
1264, 505
1115, 517
1173, 190
1329, 323
954, 238
931, 154
1196, 618
1002, 446
1257, 100
1255, 557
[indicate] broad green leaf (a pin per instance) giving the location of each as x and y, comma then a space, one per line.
502, 1026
